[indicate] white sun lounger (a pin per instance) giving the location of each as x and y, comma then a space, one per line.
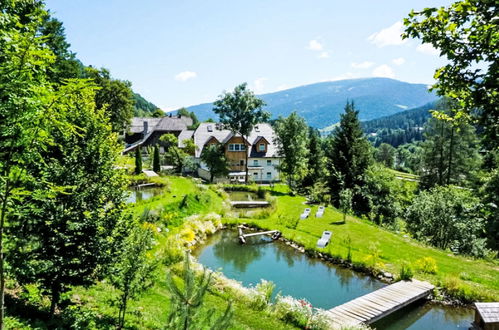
305, 214
320, 212
324, 240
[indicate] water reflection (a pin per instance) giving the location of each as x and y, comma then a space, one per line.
324, 285
138, 195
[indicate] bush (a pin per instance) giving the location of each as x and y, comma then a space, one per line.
406, 272
426, 265
263, 293
287, 221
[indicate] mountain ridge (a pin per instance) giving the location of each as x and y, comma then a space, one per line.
322, 103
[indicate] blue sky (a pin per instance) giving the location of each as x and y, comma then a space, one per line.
181, 53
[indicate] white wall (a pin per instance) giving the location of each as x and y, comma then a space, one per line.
263, 169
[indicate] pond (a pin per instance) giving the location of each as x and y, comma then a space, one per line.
243, 196
137, 195
324, 285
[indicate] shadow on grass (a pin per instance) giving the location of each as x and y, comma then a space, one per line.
37, 318
338, 223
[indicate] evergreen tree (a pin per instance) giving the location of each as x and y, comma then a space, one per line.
155, 161
349, 156
292, 143
138, 161
449, 154
316, 165
385, 154
187, 301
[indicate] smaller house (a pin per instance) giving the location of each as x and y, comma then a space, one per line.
145, 131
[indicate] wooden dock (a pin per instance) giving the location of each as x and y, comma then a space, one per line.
249, 204
380, 303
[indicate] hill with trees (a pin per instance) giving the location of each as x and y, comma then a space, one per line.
322, 103
400, 128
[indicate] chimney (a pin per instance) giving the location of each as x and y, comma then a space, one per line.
146, 126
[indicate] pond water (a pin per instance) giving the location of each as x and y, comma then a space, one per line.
324, 285
137, 195
243, 196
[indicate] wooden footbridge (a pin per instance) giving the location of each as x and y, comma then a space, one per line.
242, 236
378, 304
248, 204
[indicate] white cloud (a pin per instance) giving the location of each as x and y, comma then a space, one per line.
186, 75
427, 49
398, 61
259, 85
388, 36
315, 45
362, 65
324, 55
383, 71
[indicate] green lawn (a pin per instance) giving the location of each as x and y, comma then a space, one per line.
465, 277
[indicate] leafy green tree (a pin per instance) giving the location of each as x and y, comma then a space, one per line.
138, 161
383, 193
449, 218
292, 143
214, 158
155, 161
346, 203
449, 153
158, 113
187, 301
385, 154
132, 269
68, 238
466, 34
240, 111
114, 95
349, 156
316, 164
489, 194
27, 115
175, 155
65, 65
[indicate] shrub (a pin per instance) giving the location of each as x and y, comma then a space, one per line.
373, 258
426, 265
406, 272
297, 312
262, 295
287, 221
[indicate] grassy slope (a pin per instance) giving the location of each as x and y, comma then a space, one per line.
151, 309
477, 277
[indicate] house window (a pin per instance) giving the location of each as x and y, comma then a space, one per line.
255, 175
237, 147
241, 162
269, 162
269, 175
255, 162
261, 147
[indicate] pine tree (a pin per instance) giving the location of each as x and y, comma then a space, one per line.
316, 159
349, 156
155, 161
187, 302
138, 161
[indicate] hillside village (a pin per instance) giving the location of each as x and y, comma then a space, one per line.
357, 202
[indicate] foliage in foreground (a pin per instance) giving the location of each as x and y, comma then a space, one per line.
186, 302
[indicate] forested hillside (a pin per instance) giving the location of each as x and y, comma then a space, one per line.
400, 128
